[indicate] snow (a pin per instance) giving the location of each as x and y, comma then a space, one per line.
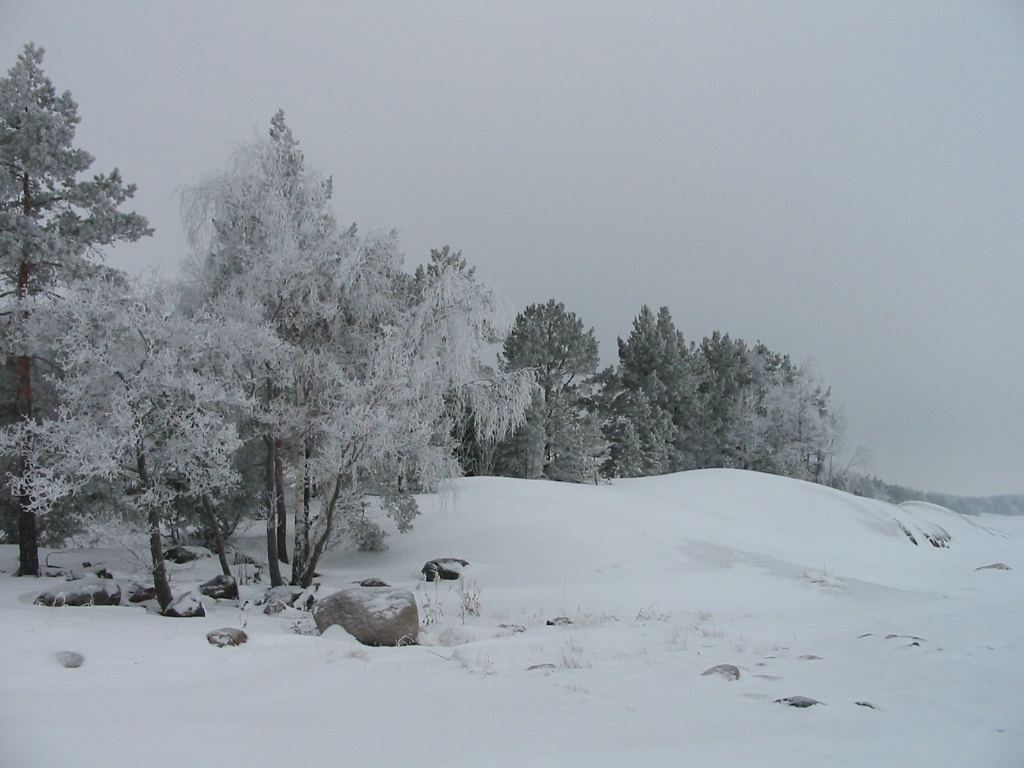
916, 658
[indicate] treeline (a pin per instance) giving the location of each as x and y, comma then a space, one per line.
297, 374
872, 487
668, 405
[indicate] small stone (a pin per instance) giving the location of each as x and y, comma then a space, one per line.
540, 666
867, 704
182, 554
373, 581
70, 659
446, 568
274, 606
227, 636
995, 567
728, 671
810, 657
801, 702
559, 621
140, 593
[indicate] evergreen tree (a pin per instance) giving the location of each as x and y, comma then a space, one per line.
653, 386
560, 439
50, 226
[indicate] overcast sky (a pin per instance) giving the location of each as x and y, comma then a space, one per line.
843, 181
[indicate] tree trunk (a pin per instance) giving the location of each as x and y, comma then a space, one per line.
270, 491
300, 506
282, 507
218, 538
302, 497
164, 596
322, 535
28, 534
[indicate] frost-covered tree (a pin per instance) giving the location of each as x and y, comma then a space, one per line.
560, 439
372, 367
51, 224
145, 402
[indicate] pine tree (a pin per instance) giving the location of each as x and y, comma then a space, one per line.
560, 439
653, 385
50, 225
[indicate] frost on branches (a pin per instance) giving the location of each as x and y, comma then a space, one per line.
145, 401
370, 367
50, 227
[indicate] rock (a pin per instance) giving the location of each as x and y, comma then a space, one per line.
373, 615
445, 568
798, 701
274, 606
103, 573
286, 594
995, 567
560, 621
728, 671
226, 636
373, 581
220, 588
84, 592
541, 666
183, 554
140, 593
186, 606
811, 657
70, 659
867, 704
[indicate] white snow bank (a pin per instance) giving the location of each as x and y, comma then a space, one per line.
807, 591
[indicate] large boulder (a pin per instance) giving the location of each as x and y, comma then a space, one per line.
83, 592
221, 587
372, 615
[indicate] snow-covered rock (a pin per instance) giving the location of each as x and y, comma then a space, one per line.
221, 587
186, 606
186, 554
83, 592
70, 659
373, 615
227, 636
444, 568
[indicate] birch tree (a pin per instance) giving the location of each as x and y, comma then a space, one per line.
51, 225
372, 363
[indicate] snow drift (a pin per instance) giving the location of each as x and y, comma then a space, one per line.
915, 657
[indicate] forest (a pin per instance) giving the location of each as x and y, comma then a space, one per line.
298, 375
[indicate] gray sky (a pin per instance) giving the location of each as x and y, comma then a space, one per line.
843, 181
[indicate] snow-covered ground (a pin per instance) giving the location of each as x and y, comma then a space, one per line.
807, 591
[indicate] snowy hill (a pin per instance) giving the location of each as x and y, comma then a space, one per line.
877, 611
